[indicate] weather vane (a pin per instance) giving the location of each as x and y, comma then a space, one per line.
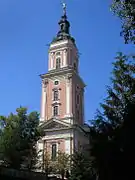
64, 7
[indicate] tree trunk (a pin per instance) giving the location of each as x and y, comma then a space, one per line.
62, 174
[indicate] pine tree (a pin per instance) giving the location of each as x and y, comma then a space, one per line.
82, 167
113, 130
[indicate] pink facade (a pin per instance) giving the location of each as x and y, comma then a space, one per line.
59, 142
49, 100
75, 89
62, 104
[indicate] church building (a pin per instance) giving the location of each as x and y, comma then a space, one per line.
62, 100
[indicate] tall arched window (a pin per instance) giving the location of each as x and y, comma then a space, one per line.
55, 110
78, 115
56, 95
77, 98
58, 63
54, 149
75, 67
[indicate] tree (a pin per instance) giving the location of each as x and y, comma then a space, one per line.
62, 164
113, 130
125, 10
63, 161
82, 167
47, 165
18, 138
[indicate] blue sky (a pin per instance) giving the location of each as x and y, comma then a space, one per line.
27, 26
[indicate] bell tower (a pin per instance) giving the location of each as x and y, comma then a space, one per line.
62, 100
62, 86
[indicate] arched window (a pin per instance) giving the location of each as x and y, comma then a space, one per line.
56, 95
75, 67
78, 115
77, 98
57, 53
54, 149
55, 110
62, 27
58, 63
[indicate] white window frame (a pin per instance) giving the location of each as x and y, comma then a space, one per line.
53, 110
57, 94
60, 62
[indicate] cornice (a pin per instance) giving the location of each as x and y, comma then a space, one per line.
62, 71
61, 45
57, 129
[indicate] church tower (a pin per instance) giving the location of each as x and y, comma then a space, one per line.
62, 100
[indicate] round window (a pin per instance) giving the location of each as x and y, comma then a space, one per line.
56, 82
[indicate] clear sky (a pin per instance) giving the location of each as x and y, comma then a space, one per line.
27, 26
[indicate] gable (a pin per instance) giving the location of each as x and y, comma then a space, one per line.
52, 124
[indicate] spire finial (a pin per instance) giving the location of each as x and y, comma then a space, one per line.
64, 31
64, 7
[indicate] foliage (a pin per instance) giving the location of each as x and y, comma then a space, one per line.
125, 10
122, 90
18, 138
82, 167
62, 164
112, 132
63, 161
47, 166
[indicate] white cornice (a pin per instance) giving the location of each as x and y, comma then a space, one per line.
62, 71
61, 45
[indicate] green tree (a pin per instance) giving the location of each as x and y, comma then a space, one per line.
113, 130
18, 138
46, 165
62, 164
125, 10
82, 167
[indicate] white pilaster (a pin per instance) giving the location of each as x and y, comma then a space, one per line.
68, 98
83, 105
67, 146
65, 58
68, 60
51, 61
43, 102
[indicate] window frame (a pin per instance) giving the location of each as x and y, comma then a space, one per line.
58, 63
55, 110
54, 153
75, 66
55, 95
56, 81
58, 53
77, 99
78, 115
